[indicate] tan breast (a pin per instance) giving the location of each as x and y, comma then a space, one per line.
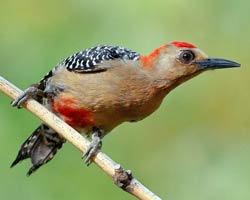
121, 93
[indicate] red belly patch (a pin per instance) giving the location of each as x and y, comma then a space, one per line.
72, 114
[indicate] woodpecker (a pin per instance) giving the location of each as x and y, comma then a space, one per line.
99, 88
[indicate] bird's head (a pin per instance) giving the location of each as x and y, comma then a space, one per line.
177, 62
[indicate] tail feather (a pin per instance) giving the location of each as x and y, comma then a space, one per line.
40, 147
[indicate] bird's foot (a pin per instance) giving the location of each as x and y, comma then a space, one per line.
122, 177
31, 91
93, 148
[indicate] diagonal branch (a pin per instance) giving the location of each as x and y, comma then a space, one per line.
101, 160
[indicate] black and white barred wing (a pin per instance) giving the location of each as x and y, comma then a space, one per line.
90, 59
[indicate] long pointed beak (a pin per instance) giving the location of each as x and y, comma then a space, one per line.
215, 63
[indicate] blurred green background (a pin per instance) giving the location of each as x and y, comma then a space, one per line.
196, 146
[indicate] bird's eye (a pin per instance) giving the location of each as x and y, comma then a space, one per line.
186, 57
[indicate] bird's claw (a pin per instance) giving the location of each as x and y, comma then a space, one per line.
93, 148
31, 91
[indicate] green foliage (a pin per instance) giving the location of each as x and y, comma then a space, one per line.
195, 147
